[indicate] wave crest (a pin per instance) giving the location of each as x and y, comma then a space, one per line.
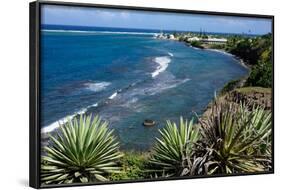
112, 96
163, 63
62, 121
97, 87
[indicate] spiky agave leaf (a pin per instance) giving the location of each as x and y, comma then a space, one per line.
174, 149
236, 137
83, 150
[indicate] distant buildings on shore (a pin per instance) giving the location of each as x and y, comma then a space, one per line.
214, 40
165, 36
207, 39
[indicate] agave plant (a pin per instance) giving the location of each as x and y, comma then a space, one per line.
174, 150
83, 150
239, 138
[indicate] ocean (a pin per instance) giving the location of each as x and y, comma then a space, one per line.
126, 76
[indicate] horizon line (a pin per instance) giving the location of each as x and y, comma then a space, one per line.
204, 31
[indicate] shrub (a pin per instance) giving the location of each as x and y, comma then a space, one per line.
217, 46
134, 166
196, 44
82, 151
231, 85
238, 139
261, 75
174, 150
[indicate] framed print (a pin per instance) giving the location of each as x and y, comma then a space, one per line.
131, 94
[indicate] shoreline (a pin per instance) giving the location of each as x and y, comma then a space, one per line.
241, 61
53, 129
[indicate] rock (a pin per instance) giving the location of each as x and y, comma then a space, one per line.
149, 123
251, 96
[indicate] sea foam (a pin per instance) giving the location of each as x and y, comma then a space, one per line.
165, 85
59, 122
170, 54
112, 96
163, 63
97, 87
62, 121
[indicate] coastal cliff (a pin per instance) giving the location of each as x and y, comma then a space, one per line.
250, 96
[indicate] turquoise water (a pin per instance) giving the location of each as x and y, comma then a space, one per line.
126, 78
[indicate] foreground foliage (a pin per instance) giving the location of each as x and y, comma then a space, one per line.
238, 139
134, 166
174, 150
83, 150
231, 138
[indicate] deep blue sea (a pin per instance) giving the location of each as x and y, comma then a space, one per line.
126, 76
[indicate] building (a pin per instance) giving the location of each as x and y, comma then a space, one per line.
214, 40
171, 37
193, 39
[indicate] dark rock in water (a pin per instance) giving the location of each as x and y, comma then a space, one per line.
149, 123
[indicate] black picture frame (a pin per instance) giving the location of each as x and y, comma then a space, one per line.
34, 89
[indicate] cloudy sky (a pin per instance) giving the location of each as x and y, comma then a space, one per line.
88, 16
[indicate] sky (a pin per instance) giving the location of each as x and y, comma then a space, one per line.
105, 17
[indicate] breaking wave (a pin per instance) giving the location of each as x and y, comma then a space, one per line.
163, 63
96, 87
112, 96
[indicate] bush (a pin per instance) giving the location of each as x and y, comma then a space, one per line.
196, 44
174, 150
238, 140
217, 46
256, 52
261, 75
82, 151
230, 86
134, 165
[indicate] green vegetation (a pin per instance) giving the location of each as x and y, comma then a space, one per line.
196, 44
251, 90
257, 52
230, 86
134, 165
238, 140
217, 46
234, 136
261, 75
174, 152
252, 50
82, 151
